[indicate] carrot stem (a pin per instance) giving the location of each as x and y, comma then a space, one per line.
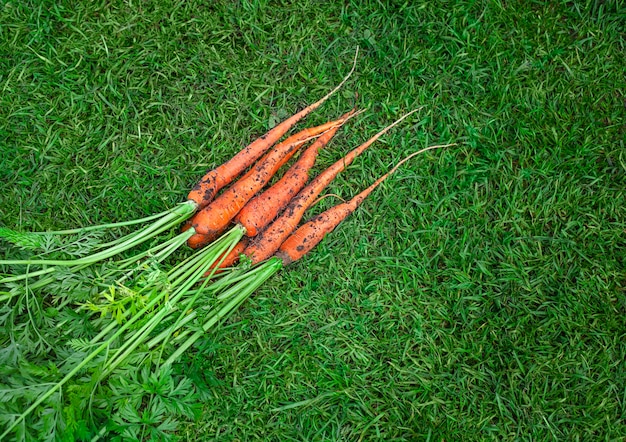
183, 278
231, 298
188, 277
173, 218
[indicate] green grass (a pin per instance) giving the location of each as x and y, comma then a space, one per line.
478, 294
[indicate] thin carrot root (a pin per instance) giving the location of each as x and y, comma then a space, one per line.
326, 196
313, 231
270, 239
204, 192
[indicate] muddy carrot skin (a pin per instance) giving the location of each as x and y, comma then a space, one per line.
262, 209
270, 239
311, 233
199, 240
218, 214
273, 203
204, 192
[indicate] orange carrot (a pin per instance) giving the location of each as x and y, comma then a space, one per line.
312, 232
262, 209
273, 203
216, 216
204, 192
197, 241
268, 241
186, 226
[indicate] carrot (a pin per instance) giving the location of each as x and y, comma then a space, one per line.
214, 218
262, 209
274, 201
312, 232
268, 241
186, 226
204, 192
197, 240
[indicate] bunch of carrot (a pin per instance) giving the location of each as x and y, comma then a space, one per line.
266, 232
244, 221
200, 196
211, 214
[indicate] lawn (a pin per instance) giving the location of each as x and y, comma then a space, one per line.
480, 293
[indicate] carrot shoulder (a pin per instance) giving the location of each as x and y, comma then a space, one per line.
204, 192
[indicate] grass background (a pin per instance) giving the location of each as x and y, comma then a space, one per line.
479, 293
